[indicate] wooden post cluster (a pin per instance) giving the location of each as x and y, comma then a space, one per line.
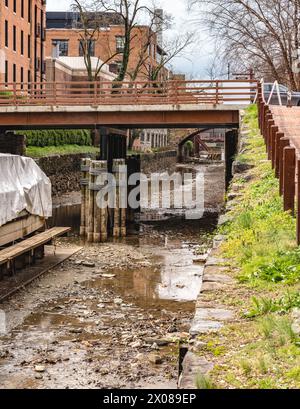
285, 161
95, 225
119, 222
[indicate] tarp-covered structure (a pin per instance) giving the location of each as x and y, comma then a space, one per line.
23, 186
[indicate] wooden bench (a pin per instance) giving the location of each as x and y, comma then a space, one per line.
9, 254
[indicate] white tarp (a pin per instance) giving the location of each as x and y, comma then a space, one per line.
23, 186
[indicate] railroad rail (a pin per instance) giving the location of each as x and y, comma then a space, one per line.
196, 92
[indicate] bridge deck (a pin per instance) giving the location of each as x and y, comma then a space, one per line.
127, 116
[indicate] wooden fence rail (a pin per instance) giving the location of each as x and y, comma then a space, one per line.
280, 127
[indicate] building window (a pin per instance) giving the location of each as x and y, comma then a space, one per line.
14, 38
22, 8
86, 47
15, 6
6, 71
6, 33
14, 73
120, 44
22, 42
62, 47
6, 3
29, 46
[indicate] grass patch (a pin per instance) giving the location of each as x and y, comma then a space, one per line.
261, 237
259, 350
38, 152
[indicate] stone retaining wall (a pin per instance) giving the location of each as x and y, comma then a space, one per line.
63, 171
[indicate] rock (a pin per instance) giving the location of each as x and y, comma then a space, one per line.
218, 278
240, 167
159, 342
76, 330
108, 275
39, 368
200, 259
90, 264
192, 366
155, 359
154, 346
118, 301
136, 344
38, 376
172, 329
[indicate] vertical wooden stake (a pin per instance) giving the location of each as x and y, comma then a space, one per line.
289, 170
90, 232
84, 189
97, 210
298, 202
284, 142
104, 211
116, 227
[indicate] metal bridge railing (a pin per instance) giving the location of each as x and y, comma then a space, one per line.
197, 92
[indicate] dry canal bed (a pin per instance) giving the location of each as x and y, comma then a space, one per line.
109, 317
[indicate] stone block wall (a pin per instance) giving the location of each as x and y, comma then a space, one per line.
63, 171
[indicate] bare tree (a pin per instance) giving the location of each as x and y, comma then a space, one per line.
89, 24
141, 25
258, 34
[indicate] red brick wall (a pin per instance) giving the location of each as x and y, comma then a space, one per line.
38, 11
105, 45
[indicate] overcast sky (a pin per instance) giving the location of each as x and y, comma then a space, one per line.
196, 60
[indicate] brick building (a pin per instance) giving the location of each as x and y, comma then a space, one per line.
64, 40
22, 40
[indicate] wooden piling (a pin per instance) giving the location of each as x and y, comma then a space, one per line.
116, 222
123, 191
103, 211
97, 211
85, 164
90, 213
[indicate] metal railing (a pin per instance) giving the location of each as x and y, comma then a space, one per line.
99, 93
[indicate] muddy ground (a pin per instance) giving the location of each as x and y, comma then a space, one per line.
110, 317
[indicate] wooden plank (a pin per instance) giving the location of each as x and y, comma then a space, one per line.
31, 243
20, 228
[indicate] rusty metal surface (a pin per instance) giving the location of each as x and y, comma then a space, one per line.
179, 118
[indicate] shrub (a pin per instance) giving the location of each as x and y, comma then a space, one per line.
58, 137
